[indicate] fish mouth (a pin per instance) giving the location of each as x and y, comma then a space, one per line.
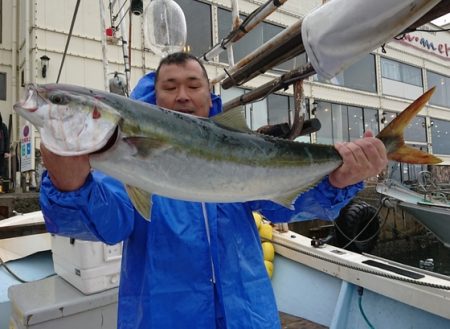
32, 100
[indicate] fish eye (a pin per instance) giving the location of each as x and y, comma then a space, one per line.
59, 99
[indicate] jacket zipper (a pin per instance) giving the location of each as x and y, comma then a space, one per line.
208, 236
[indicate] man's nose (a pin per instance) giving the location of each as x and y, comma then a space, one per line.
182, 95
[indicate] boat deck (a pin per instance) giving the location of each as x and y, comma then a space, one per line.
294, 322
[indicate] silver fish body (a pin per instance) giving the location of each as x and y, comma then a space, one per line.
174, 154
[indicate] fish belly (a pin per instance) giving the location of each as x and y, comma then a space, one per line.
179, 175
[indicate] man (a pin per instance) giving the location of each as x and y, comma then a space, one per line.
195, 265
4, 149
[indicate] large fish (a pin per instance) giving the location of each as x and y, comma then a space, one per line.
154, 150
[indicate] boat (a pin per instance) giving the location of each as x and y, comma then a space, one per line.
431, 211
321, 283
341, 289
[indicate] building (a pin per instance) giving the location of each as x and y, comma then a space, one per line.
33, 36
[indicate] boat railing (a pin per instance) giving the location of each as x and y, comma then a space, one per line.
429, 186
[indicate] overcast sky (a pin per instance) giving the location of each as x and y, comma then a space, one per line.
442, 20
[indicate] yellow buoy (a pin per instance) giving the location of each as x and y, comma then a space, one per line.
265, 231
258, 219
268, 251
269, 268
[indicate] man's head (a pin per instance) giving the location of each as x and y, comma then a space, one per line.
181, 84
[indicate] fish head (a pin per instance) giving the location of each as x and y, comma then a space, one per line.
69, 123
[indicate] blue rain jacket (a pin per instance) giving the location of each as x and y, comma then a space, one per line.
195, 265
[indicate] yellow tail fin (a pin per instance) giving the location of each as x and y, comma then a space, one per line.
392, 135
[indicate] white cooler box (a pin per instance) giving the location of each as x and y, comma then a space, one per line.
90, 266
53, 303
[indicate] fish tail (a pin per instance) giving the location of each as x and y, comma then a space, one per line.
392, 135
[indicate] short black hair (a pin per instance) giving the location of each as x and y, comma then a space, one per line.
179, 58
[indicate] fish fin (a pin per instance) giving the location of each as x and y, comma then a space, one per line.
392, 135
408, 154
142, 201
146, 145
233, 119
288, 200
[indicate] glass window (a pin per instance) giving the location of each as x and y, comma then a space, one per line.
360, 76
340, 122
199, 31
230, 94
416, 130
440, 136
388, 117
343, 123
371, 120
258, 112
271, 30
401, 72
355, 122
401, 80
404, 172
2, 86
246, 44
441, 96
278, 109
262, 33
323, 113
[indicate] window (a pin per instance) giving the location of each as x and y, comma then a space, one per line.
405, 172
441, 96
2, 86
262, 33
323, 113
360, 76
278, 106
401, 72
416, 130
440, 136
355, 122
198, 24
402, 80
255, 113
371, 120
342, 123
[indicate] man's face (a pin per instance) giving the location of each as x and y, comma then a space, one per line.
183, 88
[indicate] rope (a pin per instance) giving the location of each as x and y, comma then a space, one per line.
68, 38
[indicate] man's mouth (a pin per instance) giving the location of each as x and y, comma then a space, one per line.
187, 111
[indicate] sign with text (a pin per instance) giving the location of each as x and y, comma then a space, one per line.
26, 148
430, 42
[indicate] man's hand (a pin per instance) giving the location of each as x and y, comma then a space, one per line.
66, 173
362, 159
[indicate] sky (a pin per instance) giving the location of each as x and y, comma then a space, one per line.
442, 20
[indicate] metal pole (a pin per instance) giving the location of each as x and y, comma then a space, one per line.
242, 29
103, 39
282, 47
272, 86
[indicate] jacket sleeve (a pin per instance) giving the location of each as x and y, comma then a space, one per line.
324, 201
99, 210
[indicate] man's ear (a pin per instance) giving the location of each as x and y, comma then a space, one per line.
210, 91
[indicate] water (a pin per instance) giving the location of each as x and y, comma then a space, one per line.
414, 250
